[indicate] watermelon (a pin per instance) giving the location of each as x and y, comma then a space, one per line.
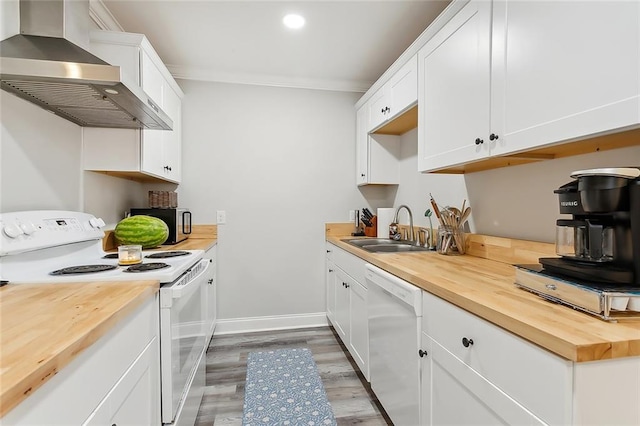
141, 229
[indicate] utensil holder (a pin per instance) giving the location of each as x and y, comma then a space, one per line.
372, 231
450, 240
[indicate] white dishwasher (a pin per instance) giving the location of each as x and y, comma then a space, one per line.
395, 311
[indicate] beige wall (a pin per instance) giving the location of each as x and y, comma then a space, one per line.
514, 202
281, 163
41, 157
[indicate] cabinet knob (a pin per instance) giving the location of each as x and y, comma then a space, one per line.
210, 281
347, 286
330, 270
479, 141
382, 111
493, 137
467, 342
387, 109
328, 251
362, 174
422, 353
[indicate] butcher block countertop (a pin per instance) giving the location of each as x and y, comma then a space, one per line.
202, 237
486, 288
45, 326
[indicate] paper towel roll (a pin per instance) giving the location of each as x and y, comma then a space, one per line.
385, 217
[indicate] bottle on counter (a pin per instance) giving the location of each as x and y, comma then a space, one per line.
394, 232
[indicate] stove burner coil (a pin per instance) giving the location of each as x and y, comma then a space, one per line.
166, 254
82, 269
144, 267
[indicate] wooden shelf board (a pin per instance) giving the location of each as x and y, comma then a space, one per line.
401, 124
136, 176
585, 146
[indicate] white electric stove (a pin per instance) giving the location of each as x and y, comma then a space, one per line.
52, 247
59, 246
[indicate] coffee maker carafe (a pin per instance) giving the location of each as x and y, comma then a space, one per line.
601, 241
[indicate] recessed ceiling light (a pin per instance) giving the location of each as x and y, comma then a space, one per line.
293, 21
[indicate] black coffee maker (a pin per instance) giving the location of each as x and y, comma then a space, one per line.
601, 242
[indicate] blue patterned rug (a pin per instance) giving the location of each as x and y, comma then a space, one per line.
283, 388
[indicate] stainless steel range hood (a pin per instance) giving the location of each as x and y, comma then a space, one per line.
47, 64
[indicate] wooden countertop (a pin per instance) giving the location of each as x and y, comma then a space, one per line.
45, 326
202, 237
486, 288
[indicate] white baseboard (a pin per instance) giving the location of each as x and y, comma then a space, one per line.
276, 322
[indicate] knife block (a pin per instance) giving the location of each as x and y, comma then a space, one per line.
372, 231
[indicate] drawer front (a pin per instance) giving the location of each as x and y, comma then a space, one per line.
351, 264
329, 249
534, 377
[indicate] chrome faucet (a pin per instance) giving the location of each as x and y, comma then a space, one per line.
395, 220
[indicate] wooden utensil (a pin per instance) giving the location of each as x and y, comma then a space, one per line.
436, 209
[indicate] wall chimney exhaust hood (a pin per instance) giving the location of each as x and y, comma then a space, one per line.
47, 64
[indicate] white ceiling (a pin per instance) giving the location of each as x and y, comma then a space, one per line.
345, 45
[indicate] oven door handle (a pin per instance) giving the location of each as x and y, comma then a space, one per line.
179, 290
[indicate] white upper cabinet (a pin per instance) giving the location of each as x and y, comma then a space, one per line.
362, 145
145, 155
504, 77
378, 109
377, 156
152, 80
563, 70
403, 88
454, 90
397, 95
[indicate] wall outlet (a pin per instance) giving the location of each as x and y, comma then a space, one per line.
352, 215
221, 217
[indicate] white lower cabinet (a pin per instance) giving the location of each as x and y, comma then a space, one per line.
347, 303
476, 373
359, 326
212, 287
330, 278
114, 381
502, 378
454, 393
342, 315
128, 402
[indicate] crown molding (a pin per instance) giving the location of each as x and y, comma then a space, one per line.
103, 17
202, 74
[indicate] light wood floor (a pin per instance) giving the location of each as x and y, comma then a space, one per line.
348, 392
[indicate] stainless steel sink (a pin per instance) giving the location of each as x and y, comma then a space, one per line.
384, 245
360, 242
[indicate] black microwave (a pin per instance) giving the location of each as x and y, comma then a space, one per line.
178, 221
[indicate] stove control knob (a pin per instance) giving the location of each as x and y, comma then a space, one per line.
28, 228
12, 231
96, 222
